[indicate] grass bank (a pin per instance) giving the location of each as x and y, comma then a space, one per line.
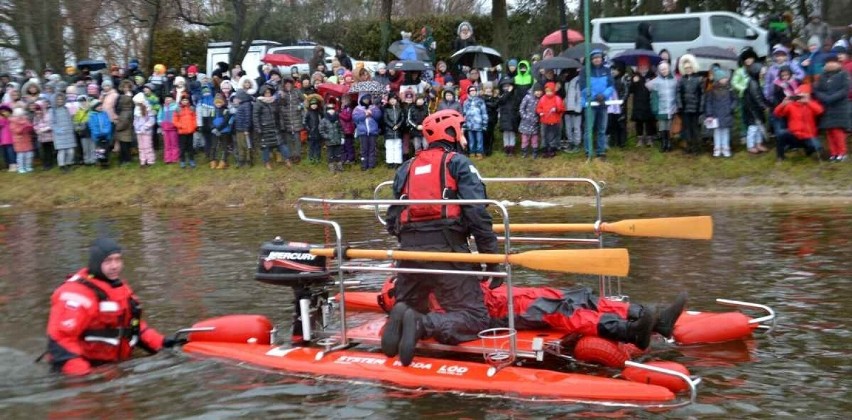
631, 173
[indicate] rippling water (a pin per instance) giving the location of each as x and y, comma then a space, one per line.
187, 265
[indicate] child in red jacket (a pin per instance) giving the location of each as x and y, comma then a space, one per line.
801, 114
550, 109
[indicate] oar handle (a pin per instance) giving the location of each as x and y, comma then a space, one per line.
390, 254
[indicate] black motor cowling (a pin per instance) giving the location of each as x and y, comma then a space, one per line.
285, 263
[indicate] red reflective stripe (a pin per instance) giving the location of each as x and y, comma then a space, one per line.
432, 179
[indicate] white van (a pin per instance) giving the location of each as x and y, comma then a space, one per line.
219, 52
679, 32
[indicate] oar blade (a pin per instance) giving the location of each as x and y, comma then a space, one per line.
693, 227
608, 261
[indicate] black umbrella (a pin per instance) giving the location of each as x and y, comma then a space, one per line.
556, 63
92, 65
477, 57
716, 53
409, 65
408, 50
579, 51
631, 57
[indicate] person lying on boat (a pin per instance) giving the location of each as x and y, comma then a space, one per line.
95, 318
575, 310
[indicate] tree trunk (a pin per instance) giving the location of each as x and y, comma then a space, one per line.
387, 9
500, 32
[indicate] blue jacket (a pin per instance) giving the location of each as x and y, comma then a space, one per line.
366, 126
223, 121
243, 117
602, 83
100, 126
475, 114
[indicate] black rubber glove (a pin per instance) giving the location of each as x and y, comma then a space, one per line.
170, 342
494, 282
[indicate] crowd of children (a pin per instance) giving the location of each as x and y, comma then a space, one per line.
233, 119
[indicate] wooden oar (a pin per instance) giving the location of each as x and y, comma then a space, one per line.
609, 262
695, 227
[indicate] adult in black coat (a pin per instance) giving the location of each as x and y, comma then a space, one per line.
642, 114
644, 40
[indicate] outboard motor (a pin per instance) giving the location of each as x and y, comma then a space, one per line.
283, 263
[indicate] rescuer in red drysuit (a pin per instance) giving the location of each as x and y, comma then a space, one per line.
575, 310
95, 318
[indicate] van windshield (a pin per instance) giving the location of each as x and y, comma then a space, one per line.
664, 30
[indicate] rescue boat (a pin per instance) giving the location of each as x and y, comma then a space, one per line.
325, 341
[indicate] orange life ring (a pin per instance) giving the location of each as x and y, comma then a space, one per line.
673, 383
251, 329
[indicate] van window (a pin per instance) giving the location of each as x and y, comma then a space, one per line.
664, 30
728, 27
303, 53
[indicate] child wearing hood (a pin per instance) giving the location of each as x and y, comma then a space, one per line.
617, 114
489, 95
165, 119
22, 131
690, 102
223, 123
331, 133
367, 117
663, 90
143, 124
63, 133
507, 111
449, 101
720, 105
475, 121
100, 127
530, 126
754, 110
414, 118
573, 112
550, 109
206, 111
381, 75
831, 91
313, 115
394, 120
81, 129
242, 100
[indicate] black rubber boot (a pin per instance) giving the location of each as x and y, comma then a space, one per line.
634, 311
668, 316
412, 330
637, 332
393, 329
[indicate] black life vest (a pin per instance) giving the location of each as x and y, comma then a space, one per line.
429, 178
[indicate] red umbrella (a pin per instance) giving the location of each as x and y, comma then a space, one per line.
556, 38
281, 59
331, 89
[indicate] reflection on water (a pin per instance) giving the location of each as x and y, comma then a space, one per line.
187, 265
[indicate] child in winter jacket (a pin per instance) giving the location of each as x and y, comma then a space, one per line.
617, 114
664, 103
801, 113
641, 114
242, 126
100, 128
185, 121
367, 117
223, 123
573, 113
475, 120
332, 135
719, 106
205, 111
43, 126
754, 111
414, 118
143, 125
22, 131
489, 95
312, 123
81, 128
830, 91
507, 109
449, 101
529, 126
550, 109
63, 133
165, 119
6, 142
348, 126
394, 120
690, 103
